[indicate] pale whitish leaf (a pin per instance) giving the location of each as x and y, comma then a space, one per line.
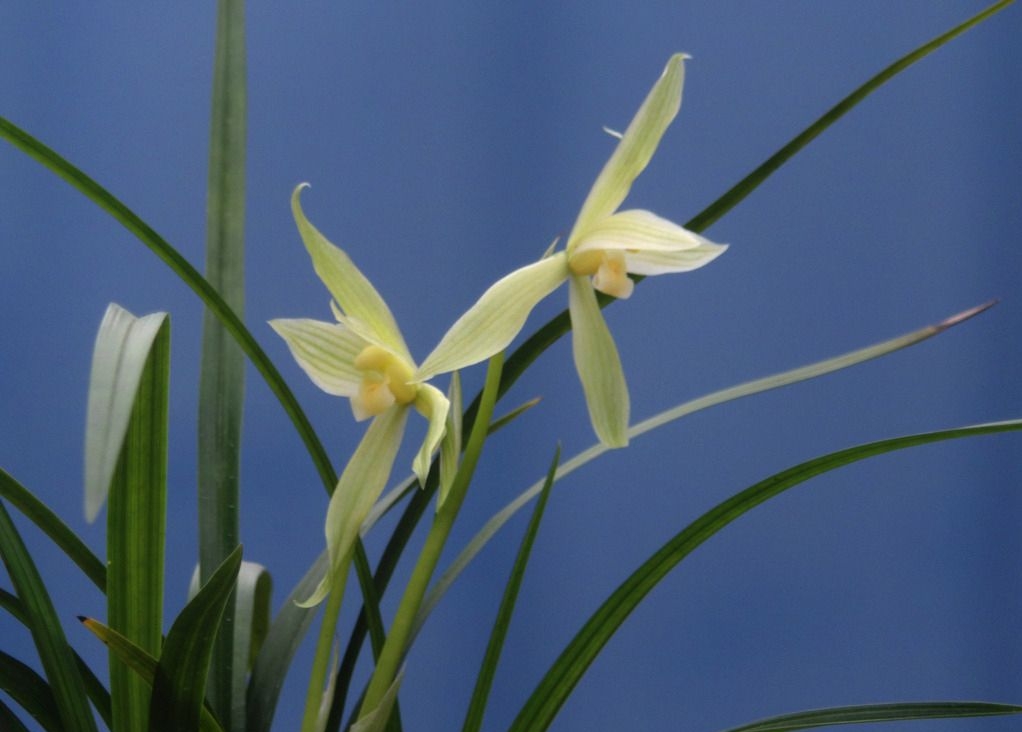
635, 149
353, 292
122, 347
490, 325
598, 365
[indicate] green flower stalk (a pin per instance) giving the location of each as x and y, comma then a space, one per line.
605, 246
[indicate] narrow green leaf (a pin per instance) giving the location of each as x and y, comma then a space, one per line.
222, 373
142, 663
66, 540
180, 680
9, 720
58, 661
94, 688
484, 681
863, 713
128, 399
803, 373
553, 690
119, 356
30, 691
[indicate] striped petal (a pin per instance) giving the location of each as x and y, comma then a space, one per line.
325, 351
495, 319
684, 260
637, 230
361, 483
635, 150
598, 365
352, 291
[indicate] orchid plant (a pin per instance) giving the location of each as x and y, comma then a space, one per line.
224, 659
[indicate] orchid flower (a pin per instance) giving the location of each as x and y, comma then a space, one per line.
605, 246
361, 356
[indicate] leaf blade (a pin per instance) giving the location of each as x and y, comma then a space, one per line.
862, 713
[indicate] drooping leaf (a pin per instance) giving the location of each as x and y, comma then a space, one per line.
863, 713
56, 656
30, 691
803, 373
9, 720
553, 690
180, 680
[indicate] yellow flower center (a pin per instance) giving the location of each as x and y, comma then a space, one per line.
386, 380
608, 269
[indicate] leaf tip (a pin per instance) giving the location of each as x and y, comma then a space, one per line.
966, 314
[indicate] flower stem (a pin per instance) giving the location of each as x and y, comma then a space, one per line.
324, 647
404, 620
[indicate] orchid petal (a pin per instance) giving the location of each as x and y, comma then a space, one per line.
633, 153
450, 447
685, 260
495, 319
361, 483
351, 289
325, 351
433, 405
637, 230
598, 365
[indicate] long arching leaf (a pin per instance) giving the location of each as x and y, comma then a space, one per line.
863, 713
553, 690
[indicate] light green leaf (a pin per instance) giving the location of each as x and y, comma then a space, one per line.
598, 365
865, 713
432, 403
122, 347
356, 296
774, 381
635, 149
136, 526
496, 317
553, 690
361, 483
55, 654
325, 351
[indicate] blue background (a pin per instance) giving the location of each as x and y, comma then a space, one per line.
450, 143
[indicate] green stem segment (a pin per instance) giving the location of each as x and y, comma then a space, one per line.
404, 621
324, 647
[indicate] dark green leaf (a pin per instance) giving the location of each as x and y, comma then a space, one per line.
555, 687
484, 681
65, 539
863, 713
30, 691
69, 697
9, 720
180, 680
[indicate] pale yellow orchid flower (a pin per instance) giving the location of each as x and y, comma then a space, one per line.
361, 356
604, 246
